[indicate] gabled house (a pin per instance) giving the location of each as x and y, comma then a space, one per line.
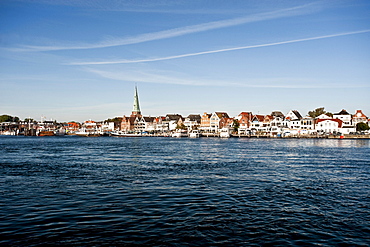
267, 121
257, 123
346, 118
215, 120
277, 122
192, 121
149, 124
205, 122
127, 123
293, 120
226, 123
245, 121
359, 117
173, 120
158, 123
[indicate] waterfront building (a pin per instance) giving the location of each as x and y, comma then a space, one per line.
293, 120
192, 121
205, 122
136, 112
257, 123
159, 126
216, 119
346, 118
227, 123
244, 119
134, 122
173, 121
329, 125
277, 123
359, 117
307, 123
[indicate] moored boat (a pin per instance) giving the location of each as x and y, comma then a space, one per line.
44, 132
224, 133
194, 134
124, 134
180, 133
85, 133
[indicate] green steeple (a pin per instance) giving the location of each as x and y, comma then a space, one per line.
136, 108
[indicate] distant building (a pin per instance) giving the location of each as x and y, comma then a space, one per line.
205, 122
136, 112
134, 122
293, 120
245, 121
329, 125
192, 121
216, 120
359, 117
346, 118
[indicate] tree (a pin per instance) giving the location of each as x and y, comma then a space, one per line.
116, 119
236, 125
181, 126
319, 111
362, 126
7, 118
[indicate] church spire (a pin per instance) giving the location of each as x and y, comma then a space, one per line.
136, 109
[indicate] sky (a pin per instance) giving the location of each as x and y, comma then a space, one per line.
75, 60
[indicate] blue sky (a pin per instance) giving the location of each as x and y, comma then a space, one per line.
80, 60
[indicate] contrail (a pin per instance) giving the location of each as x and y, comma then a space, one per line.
176, 32
217, 51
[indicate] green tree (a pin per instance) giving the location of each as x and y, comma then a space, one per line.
116, 119
29, 120
181, 126
7, 118
362, 127
236, 125
319, 111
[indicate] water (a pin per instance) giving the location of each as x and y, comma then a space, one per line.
184, 192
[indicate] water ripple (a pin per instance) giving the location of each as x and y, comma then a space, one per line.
184, 192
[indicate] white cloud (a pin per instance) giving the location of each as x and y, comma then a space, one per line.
125, 61
169, 77
288, 12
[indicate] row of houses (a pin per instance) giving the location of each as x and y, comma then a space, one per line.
246, 123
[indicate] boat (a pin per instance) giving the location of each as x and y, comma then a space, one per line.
180, 133
46, 133
60, 132
90, 133
224, 133
194, 134
8, 133
124, 134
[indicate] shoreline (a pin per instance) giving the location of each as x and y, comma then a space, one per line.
212, 135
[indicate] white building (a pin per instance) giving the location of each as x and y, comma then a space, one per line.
329, 125
293, 120
346, 118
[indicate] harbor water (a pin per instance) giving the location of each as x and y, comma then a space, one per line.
155, 191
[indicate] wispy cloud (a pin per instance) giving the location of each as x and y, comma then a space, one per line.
287, 12
168, 77
125, 61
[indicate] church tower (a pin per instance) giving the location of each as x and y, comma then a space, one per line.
136, 109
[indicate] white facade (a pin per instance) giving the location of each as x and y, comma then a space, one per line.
328, 126
214, 122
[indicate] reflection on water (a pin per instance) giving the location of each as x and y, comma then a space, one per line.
176, 192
